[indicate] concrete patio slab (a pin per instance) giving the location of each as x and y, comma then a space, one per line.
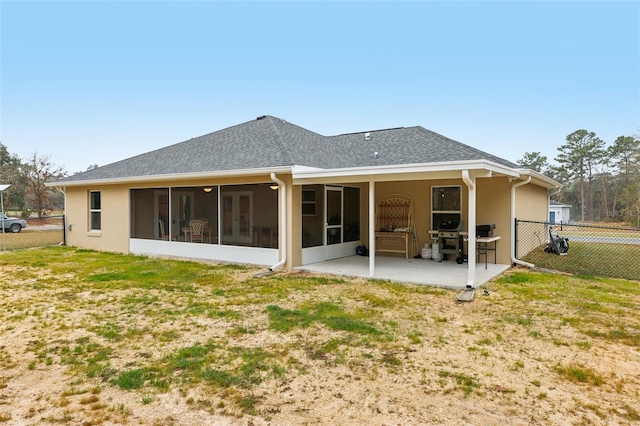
446, 274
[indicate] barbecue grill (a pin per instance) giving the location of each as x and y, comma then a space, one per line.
449, 239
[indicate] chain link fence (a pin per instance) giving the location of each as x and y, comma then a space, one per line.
580, 248
40, 232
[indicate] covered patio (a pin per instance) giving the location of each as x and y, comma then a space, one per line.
447, 274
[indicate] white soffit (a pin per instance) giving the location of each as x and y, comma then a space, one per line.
174, 177
449, 170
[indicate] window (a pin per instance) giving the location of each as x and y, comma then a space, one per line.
445, 204
308, 202
94, 211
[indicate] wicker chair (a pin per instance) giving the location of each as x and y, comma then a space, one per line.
196, 230
394, 224
163, 233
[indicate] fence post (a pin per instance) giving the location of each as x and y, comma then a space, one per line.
515, 239
64, 229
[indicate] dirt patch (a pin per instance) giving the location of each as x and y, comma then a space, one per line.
424, 360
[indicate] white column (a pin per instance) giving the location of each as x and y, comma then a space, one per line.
372, 228
471, 227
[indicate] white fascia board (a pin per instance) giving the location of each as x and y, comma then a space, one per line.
173, 177
377, 172
540, 179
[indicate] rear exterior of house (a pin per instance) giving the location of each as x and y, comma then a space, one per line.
274, 194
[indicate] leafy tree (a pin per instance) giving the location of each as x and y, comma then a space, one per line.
38, 170
625, 155
534, 161
625, 152
579, 156
10, 174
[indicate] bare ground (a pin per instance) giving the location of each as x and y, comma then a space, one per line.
496, 360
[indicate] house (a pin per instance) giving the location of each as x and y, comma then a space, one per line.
559, 212
273, 193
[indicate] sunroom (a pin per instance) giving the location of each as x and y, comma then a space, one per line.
234, 223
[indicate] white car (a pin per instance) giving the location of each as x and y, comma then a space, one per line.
13, 224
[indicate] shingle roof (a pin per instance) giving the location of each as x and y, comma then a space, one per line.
272, 142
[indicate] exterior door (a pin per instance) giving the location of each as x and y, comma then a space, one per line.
333, 212
552, 217
181, 212
237, 217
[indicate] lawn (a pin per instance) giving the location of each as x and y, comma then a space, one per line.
591, 259
93, 338
30, 238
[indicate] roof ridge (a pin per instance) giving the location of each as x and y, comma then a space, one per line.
285, 153
371, 131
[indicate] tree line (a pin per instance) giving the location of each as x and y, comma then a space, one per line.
28, 193
602, 183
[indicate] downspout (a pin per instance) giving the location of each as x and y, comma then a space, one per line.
471, 234
513, 224
282, 232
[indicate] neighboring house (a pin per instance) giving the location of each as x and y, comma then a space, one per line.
559, 212
275, 194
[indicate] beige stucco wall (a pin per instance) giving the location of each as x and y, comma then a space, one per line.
532, 203
114, 235
493, 206
492, 201
115, 209
420, 192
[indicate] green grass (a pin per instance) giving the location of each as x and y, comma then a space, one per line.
328, 314
580, 374
131, 379
146, 326
463, 382
28, 238
592, 259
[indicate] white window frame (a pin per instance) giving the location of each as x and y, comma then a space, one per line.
92, 211
309, 202
458, 212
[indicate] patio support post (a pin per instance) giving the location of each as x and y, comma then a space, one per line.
471, 218
282, 228
372, 228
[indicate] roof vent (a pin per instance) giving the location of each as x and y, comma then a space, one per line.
367, 136
261, 117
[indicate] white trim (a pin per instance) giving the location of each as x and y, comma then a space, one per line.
214, 252
372, 228
173, 177
470, 181
93, 210
314, 255
458, 212
513, 224
282, 227
539, 178
299, 173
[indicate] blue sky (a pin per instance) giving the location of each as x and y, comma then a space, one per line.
95, 82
